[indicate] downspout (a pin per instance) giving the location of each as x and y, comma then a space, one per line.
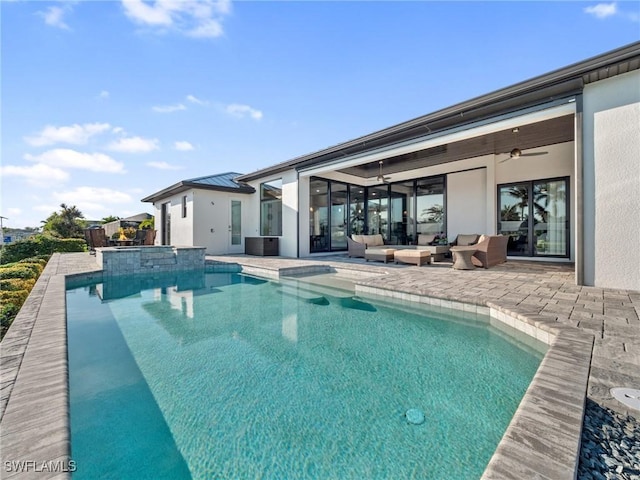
579, 171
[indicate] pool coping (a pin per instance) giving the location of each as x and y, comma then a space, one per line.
542, 439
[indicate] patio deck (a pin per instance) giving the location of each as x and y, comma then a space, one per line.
37, 407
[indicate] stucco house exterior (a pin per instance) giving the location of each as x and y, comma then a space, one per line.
553, 162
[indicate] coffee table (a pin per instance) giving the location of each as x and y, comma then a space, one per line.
379, 254
437, 251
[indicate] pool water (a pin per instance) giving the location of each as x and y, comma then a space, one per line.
228, 376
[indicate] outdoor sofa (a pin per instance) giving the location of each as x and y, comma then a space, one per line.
358, 244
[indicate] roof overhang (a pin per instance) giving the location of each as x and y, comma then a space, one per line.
561, 85
185, 185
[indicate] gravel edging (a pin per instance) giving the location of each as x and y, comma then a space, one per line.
610, 445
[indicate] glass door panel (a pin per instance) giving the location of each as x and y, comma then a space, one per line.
378, 211
339, 215
551, 225
235, 226
400, 201
514, 217
318, 215
430, 209
356, 210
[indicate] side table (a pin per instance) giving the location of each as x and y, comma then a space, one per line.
462, 257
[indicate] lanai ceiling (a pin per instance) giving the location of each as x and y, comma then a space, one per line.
535, 135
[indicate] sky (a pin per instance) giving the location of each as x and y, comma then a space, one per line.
106, 102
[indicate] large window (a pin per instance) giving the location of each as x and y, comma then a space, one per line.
271, 208
535, 216
319, 215
430, 208
397, 211
356, 210
378, 211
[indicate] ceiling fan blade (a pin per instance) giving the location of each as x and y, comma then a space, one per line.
533, 154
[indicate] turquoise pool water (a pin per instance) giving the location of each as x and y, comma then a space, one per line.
227, 376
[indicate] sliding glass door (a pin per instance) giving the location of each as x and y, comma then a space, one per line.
535, 215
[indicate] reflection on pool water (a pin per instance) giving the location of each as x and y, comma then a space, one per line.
229, 376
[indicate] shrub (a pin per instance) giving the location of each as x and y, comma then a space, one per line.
15, 284
16, 297
38, 246
8, 312
22, 270
40, 260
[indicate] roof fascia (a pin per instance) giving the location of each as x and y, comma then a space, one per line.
186, 185
554, 109
561, 82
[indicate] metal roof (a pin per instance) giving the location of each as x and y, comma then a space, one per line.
224, 182
545, 88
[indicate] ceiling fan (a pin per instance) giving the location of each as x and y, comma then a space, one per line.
517, 153
381, 178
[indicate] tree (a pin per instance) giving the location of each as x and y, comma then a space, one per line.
110, 218
67, 223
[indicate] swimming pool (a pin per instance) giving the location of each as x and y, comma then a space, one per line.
232, 376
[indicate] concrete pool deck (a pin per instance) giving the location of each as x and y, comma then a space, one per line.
34, 396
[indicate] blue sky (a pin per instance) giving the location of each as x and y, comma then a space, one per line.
106, 102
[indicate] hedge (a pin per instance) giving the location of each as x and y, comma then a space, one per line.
15, 284
20, 270
38, 246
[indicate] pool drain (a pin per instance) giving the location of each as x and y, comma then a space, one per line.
414, 416
629, 396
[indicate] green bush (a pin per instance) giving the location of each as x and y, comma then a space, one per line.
40, 260
8, 312
22, 270
15, 284
16, 297
38, 246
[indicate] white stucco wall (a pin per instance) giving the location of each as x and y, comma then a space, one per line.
467, 202
212, 221
611, 130
181, 228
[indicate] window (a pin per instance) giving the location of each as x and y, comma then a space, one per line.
184, 206
271, 208
535, 215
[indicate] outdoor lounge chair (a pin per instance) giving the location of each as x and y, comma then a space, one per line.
150, 238
140, 238
95, 238
491, 250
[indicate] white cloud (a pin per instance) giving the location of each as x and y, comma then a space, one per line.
602, 10
183, 146
67, 158
242, 111
15, 212
194, 18
169, 108
134, 145
103, 95
163, 166
74, 134
54, 16
197, 101
93, 202
40, 175
84, 195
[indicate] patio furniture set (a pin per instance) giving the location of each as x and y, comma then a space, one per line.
96, 238
467, 251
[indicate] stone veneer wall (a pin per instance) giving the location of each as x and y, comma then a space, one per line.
149, 259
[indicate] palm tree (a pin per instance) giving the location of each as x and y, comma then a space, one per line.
65, 224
